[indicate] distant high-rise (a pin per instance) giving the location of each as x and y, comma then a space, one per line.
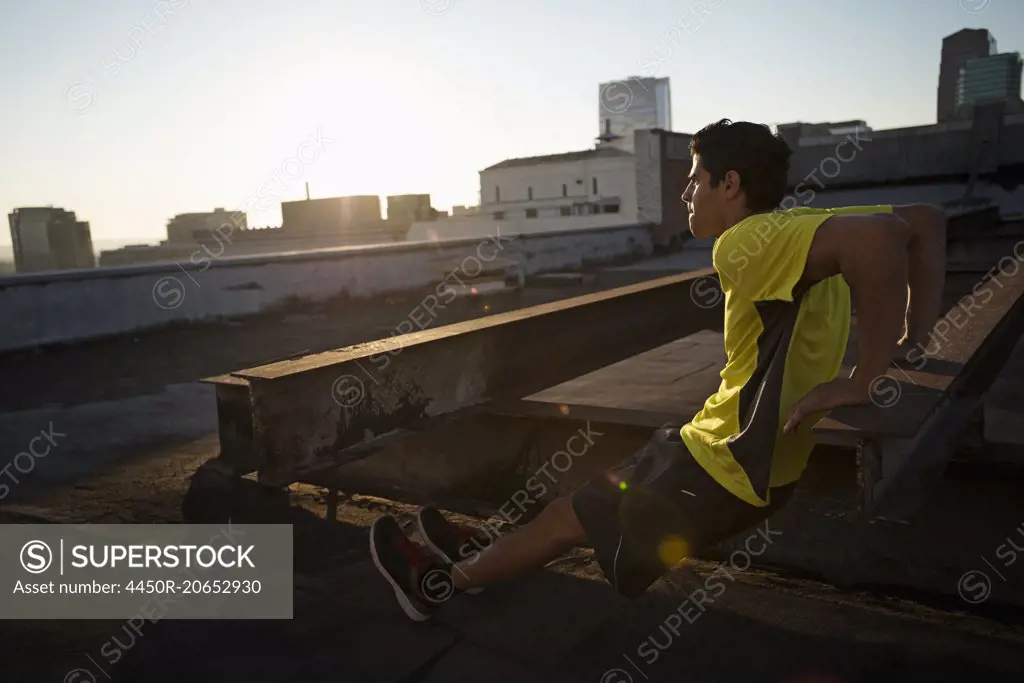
957, 49
630, 105
996, 78
48, 238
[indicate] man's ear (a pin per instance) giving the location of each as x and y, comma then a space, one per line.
731, 181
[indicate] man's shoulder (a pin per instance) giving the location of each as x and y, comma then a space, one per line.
764, 226
761, 252
780, 217
758, 230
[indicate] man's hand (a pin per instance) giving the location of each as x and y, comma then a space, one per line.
824, 397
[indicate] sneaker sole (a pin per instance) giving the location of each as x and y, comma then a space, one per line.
476, 590
403, 600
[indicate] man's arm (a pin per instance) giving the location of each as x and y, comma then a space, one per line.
871, 252
927, 270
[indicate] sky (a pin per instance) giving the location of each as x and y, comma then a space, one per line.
131, 111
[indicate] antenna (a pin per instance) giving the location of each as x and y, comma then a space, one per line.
607, 135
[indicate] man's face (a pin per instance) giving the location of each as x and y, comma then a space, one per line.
704, 203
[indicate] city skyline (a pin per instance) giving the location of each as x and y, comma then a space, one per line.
151, 109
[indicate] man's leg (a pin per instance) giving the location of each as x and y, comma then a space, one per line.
594, 515
626, 514
555, 531
424, 579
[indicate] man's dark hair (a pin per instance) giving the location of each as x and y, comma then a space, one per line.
759, 157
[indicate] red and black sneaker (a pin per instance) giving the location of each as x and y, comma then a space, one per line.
450, 542
420, 582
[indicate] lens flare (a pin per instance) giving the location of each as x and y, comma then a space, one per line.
672, 550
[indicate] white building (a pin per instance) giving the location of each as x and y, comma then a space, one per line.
586, 183
587, 189
629, 105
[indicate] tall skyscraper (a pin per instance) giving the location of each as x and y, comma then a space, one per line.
632, 104
48, 238
957, 48
996, 78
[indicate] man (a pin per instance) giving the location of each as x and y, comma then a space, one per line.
788, 277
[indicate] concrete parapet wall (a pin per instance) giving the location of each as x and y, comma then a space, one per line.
74, 306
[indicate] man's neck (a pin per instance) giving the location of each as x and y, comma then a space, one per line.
734, 218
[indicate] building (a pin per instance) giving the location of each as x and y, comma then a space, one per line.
957, 49
196, 228
410, 208
585, 183
794, 132
995, 78
591, 188
308, 224
631, 105
48, 238
330, 215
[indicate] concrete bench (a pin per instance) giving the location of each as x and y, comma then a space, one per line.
287, 419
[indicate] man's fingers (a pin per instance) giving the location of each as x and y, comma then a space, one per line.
811, 403
795, 415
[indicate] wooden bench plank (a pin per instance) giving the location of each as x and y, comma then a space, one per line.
669, 383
